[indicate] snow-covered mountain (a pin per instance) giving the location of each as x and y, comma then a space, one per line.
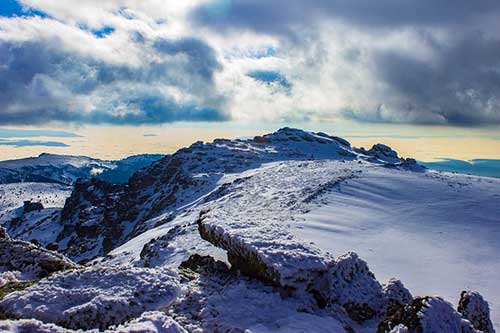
286, 211
66, 169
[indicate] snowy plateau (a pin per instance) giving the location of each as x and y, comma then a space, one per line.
292, 231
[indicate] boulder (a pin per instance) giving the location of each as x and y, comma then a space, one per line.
31, 260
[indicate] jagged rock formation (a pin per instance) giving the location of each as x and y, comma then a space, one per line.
474, 308
396, 293
29, 259
65, 169
91, 225
425, 315
93, 297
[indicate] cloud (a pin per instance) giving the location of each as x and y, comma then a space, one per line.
22, 133
387, 61
148, 62
45, 79
30, 143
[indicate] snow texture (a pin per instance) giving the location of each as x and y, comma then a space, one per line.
32, 261
148, 322
95, 297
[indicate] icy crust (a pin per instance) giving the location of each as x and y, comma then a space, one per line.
94, 297
32, 261
474, 308
148, 322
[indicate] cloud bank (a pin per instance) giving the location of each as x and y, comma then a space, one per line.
151, 62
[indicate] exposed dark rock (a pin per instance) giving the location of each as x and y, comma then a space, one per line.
3, 234
207, 264
475, 309
29, 206
359, 312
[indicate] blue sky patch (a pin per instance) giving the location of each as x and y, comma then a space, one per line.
270, 77
10, 8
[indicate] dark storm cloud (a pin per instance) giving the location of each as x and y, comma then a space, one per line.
462, 86
202, 57
459, 85
40, 82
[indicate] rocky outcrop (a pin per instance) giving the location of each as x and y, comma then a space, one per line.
475, 309
396, 293
93, 298
297, 268
425, 315
29, 259
91, 224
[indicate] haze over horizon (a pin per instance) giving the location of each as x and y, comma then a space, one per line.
154, 76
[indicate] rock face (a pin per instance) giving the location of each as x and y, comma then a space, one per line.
90, 223
93, 297
29, 259
475, 309
425, 315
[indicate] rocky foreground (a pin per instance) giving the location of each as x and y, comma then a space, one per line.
145, 250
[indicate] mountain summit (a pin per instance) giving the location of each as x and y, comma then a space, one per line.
265, 235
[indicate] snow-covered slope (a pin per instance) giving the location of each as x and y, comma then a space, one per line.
287, 209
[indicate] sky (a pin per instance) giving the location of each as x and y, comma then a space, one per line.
155, 75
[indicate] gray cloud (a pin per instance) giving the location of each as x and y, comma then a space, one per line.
31, 143
461, 86
458, 85
283, 16
41, 82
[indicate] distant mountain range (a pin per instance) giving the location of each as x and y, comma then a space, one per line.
66, 169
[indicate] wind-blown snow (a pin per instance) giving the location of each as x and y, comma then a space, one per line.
436, 232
